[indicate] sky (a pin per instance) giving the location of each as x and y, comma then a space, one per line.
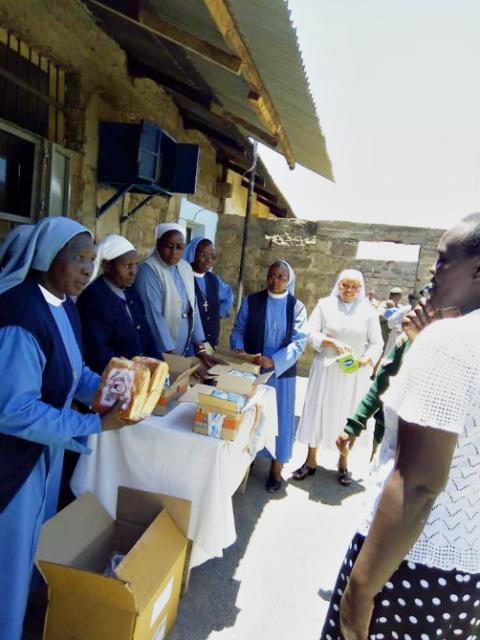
395, 83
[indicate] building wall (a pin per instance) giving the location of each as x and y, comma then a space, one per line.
237, 204
318, 251
99, 88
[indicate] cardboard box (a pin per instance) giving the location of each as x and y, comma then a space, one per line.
140, 601
180, 369
225, 382
206, 424
242, 363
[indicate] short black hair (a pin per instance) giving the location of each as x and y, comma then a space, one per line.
471, 240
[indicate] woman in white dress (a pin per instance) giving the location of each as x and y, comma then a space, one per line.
340, 323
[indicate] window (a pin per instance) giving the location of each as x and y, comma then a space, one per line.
32, 89
19, 160
59, 182
388, 251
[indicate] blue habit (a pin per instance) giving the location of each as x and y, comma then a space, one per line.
214, 299
113, 324
152, 294
25, 415
284, 357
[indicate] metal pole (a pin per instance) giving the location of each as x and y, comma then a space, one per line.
248, 211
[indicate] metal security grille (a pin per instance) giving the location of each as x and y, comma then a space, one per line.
32, 89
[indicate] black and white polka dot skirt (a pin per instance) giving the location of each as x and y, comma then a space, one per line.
417, 603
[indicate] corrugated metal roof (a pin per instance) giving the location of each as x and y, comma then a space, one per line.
270, 36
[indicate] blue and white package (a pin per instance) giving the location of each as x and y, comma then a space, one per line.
239, 400
215, 424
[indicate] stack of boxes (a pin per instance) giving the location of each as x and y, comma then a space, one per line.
220, 408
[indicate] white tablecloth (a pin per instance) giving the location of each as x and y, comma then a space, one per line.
165, 455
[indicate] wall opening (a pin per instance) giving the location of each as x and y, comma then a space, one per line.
387, 251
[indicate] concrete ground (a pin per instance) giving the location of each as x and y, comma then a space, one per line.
276, 580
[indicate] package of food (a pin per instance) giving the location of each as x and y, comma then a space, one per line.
348, 363
125, 379
158, 375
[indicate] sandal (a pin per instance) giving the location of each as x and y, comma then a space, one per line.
344, 477
303, 472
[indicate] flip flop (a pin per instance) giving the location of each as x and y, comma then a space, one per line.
344, 477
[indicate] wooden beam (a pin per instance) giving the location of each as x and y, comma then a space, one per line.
261, 192
158, 27
259, 134
260, 99
138, 69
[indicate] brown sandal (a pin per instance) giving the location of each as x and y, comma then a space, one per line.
303, 472
344, 477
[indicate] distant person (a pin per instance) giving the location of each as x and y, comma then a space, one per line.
214, 297
341, 323
413, 568
372, 299
395, 317
273, 323
112, 313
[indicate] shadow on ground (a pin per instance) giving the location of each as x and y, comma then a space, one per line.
202, 611
324, 487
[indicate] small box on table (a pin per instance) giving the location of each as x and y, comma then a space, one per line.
217, 425
180, 370
244, 362
220, 408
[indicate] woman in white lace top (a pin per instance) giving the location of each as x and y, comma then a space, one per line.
413, 569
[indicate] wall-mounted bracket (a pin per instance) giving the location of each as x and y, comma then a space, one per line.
150, 191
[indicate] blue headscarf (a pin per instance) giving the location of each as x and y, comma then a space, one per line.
191, 249
15, 243
46, 239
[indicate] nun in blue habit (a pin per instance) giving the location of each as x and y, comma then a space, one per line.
273, 323
14, 244
112, 313
214, 297
42, 371
165, 284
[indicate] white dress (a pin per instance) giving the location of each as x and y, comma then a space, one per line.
332, 395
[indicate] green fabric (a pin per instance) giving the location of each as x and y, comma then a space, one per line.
371, 404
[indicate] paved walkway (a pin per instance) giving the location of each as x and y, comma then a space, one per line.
275, 581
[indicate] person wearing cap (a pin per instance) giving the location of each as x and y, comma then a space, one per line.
214, 297
112, 313
42, 372
387, 308
166, 285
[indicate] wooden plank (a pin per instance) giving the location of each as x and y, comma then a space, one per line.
260, 101
152, 23
271, 141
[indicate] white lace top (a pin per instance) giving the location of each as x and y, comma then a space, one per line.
438, 386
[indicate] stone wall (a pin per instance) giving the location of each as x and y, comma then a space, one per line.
382, 275
99, 88
318, 251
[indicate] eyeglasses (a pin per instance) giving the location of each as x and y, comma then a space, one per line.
353, 287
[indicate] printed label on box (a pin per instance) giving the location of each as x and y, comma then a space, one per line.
161, 602
160, 633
